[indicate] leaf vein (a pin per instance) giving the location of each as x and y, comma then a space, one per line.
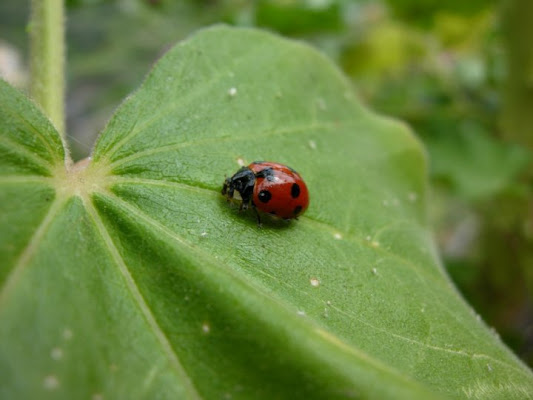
138, 297
421, 273
429, 346
28, 252
320, 225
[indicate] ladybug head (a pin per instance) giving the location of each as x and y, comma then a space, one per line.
226, 186
242, 182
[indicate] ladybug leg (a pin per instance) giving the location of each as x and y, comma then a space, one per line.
246, 196
229, 194
259, 224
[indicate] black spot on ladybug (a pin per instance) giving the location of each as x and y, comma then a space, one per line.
272, 213
295, 190
264, 196
297, 210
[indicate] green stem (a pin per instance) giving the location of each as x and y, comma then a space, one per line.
47, 52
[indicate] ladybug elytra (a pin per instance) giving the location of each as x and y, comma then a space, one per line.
269, 187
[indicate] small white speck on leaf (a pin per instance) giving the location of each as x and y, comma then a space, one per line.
375, 271
337, 236
240, 161
314, 282
374, 243
50, 382
56, 353
489, 367
301, 313
328, 302
312, 144
321, 103
232, 91
203, 234
206, 328
67, 334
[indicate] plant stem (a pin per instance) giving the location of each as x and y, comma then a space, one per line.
47, 53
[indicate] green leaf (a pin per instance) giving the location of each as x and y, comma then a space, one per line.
133, 278
298, 17
474, 164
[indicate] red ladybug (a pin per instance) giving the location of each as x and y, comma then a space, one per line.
269, 187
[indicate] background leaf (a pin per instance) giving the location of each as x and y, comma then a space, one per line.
133, 278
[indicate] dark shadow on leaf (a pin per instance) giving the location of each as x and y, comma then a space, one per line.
230, 210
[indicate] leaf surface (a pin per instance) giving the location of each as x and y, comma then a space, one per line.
133, 278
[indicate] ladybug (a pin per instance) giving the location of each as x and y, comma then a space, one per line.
269, 187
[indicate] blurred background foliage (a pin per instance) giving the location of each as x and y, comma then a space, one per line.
459, 72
